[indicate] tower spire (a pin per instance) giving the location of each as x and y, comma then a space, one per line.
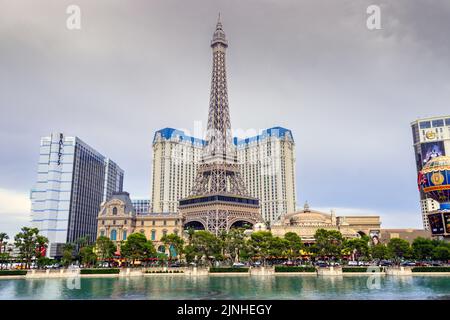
219, 34
219, 141
219, 196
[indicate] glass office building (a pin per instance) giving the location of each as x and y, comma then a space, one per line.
73, 180
142, 206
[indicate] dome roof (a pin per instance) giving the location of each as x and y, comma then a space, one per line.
437, 164
306, 217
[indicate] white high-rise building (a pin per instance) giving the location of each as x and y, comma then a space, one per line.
142, 206
267, 167
73, 180
431, 138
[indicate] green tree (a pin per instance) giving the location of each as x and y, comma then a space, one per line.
359, 247
105, 248
206, 245
190, 234
380, 252
173, 241
398, 248
79, 244
29, 243
67, 254
137, 247
259, 245
422, 248
329, 243
4, 259
3, 241
294, 245
235, 243
87, 255
82, 241
44, 261
190, 253
278, 247
441, 253
4, 256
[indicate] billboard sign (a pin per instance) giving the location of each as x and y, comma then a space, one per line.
436, 223
447, 222
432, 150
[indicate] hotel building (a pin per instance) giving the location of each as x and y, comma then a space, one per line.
306, 222
431, 138
73, 180
267, 163
142, 206
118, 218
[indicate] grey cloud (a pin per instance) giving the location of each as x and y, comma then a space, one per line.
347, 93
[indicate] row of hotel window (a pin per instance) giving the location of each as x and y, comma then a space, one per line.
113, 234
434, 123
142, 222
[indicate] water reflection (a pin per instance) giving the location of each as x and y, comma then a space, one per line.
230, 287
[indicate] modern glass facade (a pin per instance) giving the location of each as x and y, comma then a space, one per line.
73, 180
142, 206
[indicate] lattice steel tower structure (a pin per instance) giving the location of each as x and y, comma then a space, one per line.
219, 199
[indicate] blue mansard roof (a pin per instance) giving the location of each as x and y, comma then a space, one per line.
279, 132
169, 133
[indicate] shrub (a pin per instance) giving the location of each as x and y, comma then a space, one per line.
13, 272
354, 269
162, 271
294, 269
431, 269
100, 271
230, 269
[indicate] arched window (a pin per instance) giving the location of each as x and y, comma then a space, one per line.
115, 211
162, 249
153, 235
124, 235
102, 233
113, 235
142, 231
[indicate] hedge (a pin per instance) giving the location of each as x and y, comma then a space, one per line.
13, 272
167, 271
294, 269
100, 271
354, 269
231, 269
431, 269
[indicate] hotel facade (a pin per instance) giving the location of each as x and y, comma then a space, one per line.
431, 138
267, 164
73, 180
118, 218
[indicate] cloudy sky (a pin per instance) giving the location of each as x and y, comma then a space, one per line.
347, 93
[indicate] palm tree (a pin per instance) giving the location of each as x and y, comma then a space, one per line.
3, 237
190, 233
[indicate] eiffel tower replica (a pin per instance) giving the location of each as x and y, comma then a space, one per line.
219, 199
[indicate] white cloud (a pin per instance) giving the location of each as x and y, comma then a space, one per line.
389, 218
14, 211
